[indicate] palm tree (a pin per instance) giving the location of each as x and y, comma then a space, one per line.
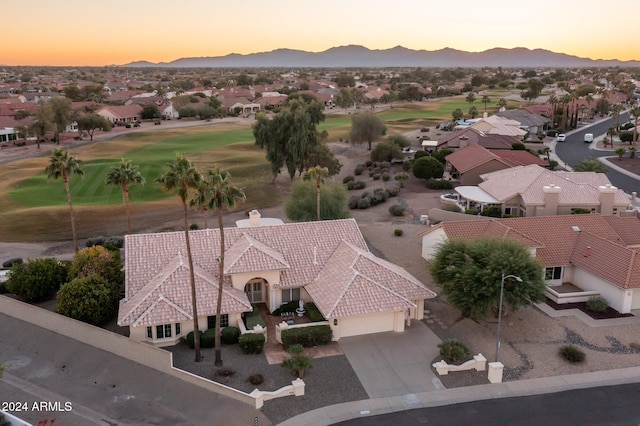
318, 174
632, 151
546, 151
635, 112
620, 152
62, 165
471, 98
201, 199
615, 114
553, 101
486, 100
182, 176
223, 194
502, 103
401, 177
125, 174
590, 165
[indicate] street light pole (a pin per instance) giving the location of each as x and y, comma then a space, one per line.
515, 277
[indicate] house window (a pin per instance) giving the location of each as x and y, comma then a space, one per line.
553, 273
149, 332
290, 294
163, 331
178, 329
211, 321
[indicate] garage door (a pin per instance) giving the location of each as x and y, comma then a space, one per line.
366, 324
635, 303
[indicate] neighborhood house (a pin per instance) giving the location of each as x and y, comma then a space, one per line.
326, 262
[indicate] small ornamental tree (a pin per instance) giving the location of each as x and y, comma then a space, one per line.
98, 260
470, 273
427, 168
37, 279
89, 299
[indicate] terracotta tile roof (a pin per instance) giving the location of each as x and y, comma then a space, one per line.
471, 157
489, 141
562, 240
355, 282
304, 253
577, 188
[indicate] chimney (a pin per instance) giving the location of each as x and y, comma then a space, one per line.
588, 251
254, 218
551, 197
607, 198
464, 141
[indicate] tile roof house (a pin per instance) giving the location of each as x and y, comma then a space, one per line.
469, 163
534, 123
598, 254
495, 125
121, 113
535, 191
326, 262
459, 139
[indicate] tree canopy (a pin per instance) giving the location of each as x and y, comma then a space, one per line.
291, 135
91, 122
37, 279
590, 165
427, 168
366, 127
470, 273
90, 299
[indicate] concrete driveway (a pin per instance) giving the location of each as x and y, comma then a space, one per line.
394, 364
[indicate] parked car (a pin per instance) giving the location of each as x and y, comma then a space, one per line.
136, 124
588, 137
561, 137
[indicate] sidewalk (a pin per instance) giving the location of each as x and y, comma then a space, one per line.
371, 407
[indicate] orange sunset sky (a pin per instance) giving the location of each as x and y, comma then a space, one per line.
81, 32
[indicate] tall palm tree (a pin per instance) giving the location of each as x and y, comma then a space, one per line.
201, 199
635, 112
62, 165
317, 174
223, 194
486, 100
125, 174
615, 114
183, 176
553, 101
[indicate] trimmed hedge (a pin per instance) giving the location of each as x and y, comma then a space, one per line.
189, 339
251, 343
313, 313
208, 338
230, 335
397, 209
307, 336
439, 184
253, 318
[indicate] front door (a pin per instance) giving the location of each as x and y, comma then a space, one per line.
254, 291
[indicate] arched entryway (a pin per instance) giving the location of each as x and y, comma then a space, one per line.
256, 290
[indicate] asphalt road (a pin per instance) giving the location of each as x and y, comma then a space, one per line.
574, 150
611, 406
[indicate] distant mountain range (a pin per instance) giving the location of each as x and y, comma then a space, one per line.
359, 56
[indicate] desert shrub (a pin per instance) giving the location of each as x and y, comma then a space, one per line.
95, 241
451, 208
397, 210
572, 354
223, 374
189, 339
251, 343
393, 191
253, 318
364, 203
208, 338
376, 176
406, 166
359, 169
348, 179
420, 154
256, 379
313, 312
398, 232
471, 211
351, 185
386, 176
386, 151
427, 168
384, 194
518, 146
439, 184
307, 336
359, 184
368, 163
193, 227
597, 304
37, 279
492, 211
377, 198
353, 202
399, 140
229, 335
626, 136
13, 261
91, 299
453, 350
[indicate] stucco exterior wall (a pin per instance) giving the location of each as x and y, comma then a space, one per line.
617, 298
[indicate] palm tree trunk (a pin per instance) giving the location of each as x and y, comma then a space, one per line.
218, 352
192, 276
205, 212
72, 213
125, 200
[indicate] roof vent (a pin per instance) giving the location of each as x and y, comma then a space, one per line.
576, 228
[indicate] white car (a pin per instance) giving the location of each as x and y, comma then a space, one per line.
561, 137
